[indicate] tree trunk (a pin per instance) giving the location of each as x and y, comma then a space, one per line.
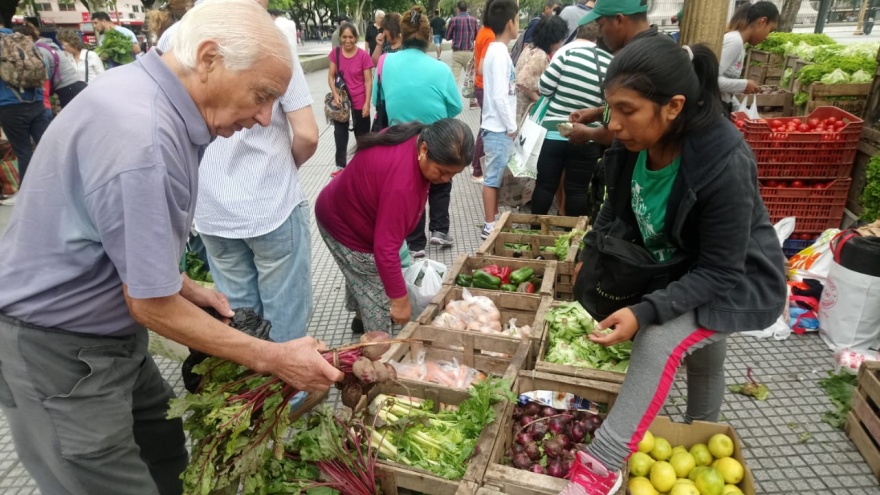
788, 15
704, 22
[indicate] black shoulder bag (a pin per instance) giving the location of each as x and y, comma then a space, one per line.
381, 121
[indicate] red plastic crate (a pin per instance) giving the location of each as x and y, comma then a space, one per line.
810, 155
815, 210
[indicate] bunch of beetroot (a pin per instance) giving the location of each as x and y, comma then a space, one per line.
546, 439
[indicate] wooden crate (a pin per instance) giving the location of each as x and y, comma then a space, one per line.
568, 370
781, 104
545, 269
832, 95
795, 64
528, 309
551, 228
762, 58
863, 421
393, 476
510, 480
507, 358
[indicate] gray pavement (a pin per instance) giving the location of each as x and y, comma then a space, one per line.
825, 464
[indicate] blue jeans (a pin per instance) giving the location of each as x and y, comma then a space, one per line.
270, 273
498, 147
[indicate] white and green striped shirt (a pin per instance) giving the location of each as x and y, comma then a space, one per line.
572, 82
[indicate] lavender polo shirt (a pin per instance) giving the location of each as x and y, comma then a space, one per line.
109, 199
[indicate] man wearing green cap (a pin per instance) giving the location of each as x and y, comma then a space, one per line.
620, 23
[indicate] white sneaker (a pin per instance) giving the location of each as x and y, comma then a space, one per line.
418, 254
487, 229
9, 201
440, 239
588, 476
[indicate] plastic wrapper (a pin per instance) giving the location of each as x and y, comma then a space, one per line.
478, 314
447, 373
850, 359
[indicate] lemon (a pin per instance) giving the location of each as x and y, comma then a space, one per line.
641, 486
731, 470
678, 449
721, 445
731, 490
701, 454
640, 464
662, 450
662, 476
684, 489
709, 482
683, 462
647, 443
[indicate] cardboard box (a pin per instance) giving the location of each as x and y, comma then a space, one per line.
701, 432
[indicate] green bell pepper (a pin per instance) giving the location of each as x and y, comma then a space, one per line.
463, 280
522, 275
483, 280
508, 287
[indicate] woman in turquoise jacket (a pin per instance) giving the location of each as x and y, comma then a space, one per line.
417, 87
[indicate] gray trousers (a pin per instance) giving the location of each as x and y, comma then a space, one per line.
658, 351
87, 414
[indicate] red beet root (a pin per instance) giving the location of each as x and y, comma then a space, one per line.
374, 352
537, 469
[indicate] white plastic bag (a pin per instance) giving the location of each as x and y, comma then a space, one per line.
850, 360
779, 330
423, 281
814, 261
784, 228
849, 312
740, 106
523, 161
752, 112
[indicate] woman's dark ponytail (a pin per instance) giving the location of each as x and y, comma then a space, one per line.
748, 13
654, 67
450, 141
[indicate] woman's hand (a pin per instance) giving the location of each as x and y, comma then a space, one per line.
401, 311
336, 100
365, 113
751, 87
380, 39
625, 327
580, 134
586, 115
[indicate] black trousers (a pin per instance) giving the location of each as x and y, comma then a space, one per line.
66, 94
361, 126
578, 162
439, 197
21, 123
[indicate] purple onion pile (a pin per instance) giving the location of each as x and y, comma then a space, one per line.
546, 439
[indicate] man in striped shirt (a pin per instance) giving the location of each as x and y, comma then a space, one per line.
462, 31
253, 216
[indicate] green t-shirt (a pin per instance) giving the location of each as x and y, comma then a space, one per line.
650, 194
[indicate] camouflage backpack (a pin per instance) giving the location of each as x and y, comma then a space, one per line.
21, 65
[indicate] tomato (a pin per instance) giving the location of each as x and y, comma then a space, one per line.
775, 123
814, 122
804, 128
831, 120
840, 124
781, 185
819, 129
818, 185
739, 124
806, 237
797, 183
771, 183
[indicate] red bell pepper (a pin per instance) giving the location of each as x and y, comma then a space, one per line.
527, 287
505, 274
492, 270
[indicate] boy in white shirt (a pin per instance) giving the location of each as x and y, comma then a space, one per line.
498, 127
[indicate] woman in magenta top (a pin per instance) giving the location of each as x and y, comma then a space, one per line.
365, 214
356, 67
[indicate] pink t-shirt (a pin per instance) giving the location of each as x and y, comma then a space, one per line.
353, 72
374, 204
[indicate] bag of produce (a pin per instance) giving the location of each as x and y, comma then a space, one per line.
423, 281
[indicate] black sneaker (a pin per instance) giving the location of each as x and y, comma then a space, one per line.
357, 325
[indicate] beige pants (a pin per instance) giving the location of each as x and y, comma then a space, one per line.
460, 59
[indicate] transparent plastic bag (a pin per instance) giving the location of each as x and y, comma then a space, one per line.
441, 372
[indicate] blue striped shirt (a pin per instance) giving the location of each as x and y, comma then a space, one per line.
249, 183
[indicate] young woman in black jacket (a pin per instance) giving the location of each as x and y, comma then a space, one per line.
682, 253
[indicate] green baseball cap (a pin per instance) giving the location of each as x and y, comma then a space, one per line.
605, 8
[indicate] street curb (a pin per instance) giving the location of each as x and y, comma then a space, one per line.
314, 64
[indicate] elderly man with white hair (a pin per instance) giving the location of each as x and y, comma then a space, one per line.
91, 259
373, 30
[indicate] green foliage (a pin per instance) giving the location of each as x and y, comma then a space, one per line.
847, 64
570, 325
870, 198
116, 46
775, 42
801, 98
839, 388
196, 269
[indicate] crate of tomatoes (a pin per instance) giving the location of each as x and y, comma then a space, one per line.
817, 205
821, 145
